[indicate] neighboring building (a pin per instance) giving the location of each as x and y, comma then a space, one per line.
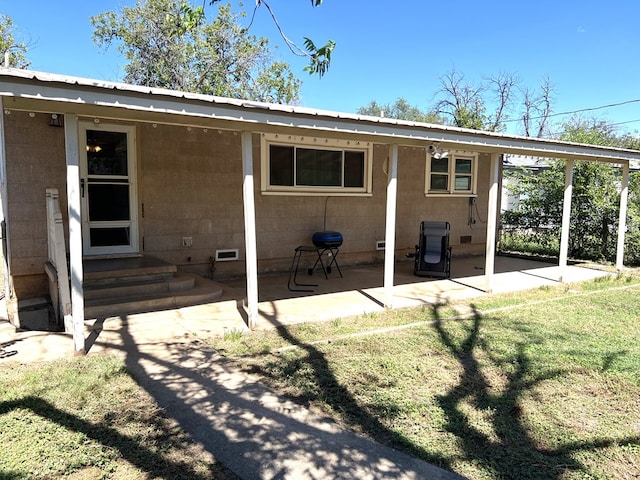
511, 163
186, 178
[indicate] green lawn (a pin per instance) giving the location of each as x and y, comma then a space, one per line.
87, 419
542, 384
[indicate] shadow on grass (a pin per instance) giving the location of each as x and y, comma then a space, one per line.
509, 451
340, 399
154, 464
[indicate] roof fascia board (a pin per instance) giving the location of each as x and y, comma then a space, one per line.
266, 117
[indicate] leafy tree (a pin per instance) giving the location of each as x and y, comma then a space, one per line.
167, 47
319, 57
400, 110
11, 49
595, 201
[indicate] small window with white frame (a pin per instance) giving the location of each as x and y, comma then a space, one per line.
452, 174
310, 165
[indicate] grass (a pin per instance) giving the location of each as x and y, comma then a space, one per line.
541, 384
88, 419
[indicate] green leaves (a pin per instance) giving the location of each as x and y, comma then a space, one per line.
9, 45
189, 18
320, 58
170, 44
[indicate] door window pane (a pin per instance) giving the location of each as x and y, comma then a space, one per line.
108, 202
106, 153
106, 237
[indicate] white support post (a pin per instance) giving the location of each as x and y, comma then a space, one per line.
3, 208
75, 230
622, 221
566, 220
251, 256
492, 222
390, 231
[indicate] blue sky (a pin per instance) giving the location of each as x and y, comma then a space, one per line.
590, 49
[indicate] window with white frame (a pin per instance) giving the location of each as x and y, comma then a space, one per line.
454, 174
298, 165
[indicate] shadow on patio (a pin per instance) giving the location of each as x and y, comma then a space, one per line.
360, 290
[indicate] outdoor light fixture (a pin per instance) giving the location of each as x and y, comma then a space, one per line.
436, 152
56, 120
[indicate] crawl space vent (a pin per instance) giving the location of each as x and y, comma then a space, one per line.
227, 255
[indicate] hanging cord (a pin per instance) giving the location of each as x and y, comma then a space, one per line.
474, 214
324, 226
478, 214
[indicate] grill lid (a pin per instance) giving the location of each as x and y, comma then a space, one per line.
327, 239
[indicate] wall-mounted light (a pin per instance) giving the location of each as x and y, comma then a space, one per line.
7, 111
56, 120
436, 152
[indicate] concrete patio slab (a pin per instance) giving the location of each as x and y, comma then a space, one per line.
358, 292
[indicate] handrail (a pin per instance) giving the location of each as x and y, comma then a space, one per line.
57, 265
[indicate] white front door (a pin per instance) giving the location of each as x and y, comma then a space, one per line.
108, 189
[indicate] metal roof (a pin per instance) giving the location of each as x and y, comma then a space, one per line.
27, 88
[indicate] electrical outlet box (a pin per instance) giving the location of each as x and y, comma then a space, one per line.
187, 241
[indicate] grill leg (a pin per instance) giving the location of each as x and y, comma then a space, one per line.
319, 260
334, 259
295, 264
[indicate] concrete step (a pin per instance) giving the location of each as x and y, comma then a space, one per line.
203, 291
137, 286
122, 270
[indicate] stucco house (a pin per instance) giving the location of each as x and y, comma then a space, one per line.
202, 182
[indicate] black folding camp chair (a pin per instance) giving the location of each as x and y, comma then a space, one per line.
433, 253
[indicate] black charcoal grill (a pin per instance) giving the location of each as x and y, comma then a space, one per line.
327, 242
323, 242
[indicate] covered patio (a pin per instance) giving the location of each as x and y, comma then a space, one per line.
361, 291
358, 292
221, 192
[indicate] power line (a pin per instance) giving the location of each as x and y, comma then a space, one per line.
622, 123
579, 111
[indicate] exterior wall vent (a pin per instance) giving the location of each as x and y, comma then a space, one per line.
228, 255
465, 239
380, 244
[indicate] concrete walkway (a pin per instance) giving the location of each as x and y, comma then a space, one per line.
251, 430
242, 423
